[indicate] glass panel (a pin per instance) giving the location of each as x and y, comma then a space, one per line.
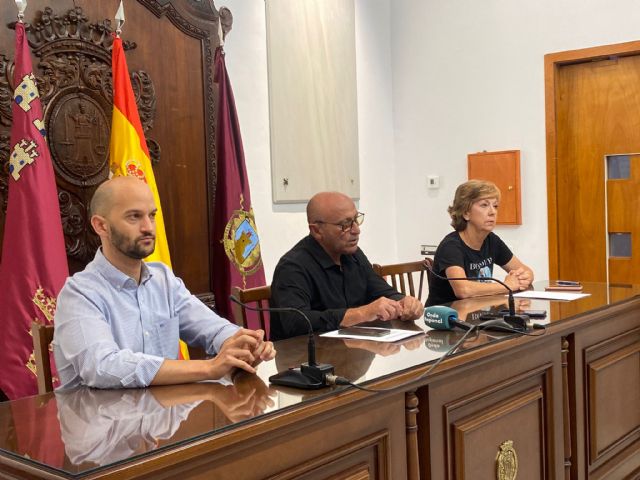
619, 244
618, 166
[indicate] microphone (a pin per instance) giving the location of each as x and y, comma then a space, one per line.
440, 317
310, 375
515, 321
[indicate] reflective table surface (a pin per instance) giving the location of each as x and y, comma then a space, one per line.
81, 431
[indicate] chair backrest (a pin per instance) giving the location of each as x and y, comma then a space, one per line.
258, 295
402, 276
428, 262
42, 337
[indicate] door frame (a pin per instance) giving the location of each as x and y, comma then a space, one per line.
552, 64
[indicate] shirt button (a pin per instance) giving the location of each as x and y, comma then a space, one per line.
146, 333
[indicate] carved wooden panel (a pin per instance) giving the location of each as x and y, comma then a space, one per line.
500, 410
358, 472
73, 72
175, 94
613, 395
605, 441
363, 440
362, 459
488, 419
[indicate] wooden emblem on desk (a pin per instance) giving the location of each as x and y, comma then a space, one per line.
507, 462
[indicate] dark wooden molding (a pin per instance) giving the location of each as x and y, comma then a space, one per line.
177, 102
49, 29
208, 299
202, 10
189, 20
4, 174
80, 241
411, 419
566, 409
75, 84
5, 91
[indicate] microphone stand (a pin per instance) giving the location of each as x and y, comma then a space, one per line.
515, 320
310, 375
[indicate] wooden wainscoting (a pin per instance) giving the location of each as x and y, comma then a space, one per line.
515, 398
605, 410
363, 441
467, 444
612, 371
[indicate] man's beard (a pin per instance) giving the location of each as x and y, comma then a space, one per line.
129, 248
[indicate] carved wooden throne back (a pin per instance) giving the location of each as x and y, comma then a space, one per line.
170, 46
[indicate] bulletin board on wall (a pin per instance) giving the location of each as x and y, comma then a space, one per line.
503, 169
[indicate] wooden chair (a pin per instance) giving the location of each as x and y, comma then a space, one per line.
42, 337
428, 262
401, 276
258, 295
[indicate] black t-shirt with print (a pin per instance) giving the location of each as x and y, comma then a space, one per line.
452, 251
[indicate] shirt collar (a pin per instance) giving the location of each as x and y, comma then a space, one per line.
114, 276
323, 258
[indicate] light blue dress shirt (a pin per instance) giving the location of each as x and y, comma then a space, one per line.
111, 332
111, 426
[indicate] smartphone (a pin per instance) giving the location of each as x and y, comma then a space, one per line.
530, 313
364, 331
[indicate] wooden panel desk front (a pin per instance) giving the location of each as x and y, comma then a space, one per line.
565, 403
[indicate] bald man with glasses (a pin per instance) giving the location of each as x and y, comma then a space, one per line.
328, 277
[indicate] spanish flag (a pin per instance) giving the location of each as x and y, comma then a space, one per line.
128, 150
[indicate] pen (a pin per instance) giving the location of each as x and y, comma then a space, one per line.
567, 282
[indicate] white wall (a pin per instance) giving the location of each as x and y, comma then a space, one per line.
437, 79
469, 76
281, 226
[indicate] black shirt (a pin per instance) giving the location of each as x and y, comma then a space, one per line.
307, 278
453, 252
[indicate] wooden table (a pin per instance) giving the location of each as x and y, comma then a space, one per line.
565, 404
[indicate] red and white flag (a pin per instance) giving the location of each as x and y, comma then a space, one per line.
33, 266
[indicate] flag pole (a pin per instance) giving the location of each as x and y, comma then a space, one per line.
119, 19
22, 6
221, 34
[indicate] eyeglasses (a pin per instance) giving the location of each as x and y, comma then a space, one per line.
346, 225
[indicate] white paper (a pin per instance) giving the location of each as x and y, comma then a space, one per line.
394, 335
544, 295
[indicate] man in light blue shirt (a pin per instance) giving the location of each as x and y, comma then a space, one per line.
117, 323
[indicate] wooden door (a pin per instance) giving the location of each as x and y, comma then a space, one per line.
593, 111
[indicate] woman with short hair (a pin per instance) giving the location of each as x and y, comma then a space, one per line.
472, 249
